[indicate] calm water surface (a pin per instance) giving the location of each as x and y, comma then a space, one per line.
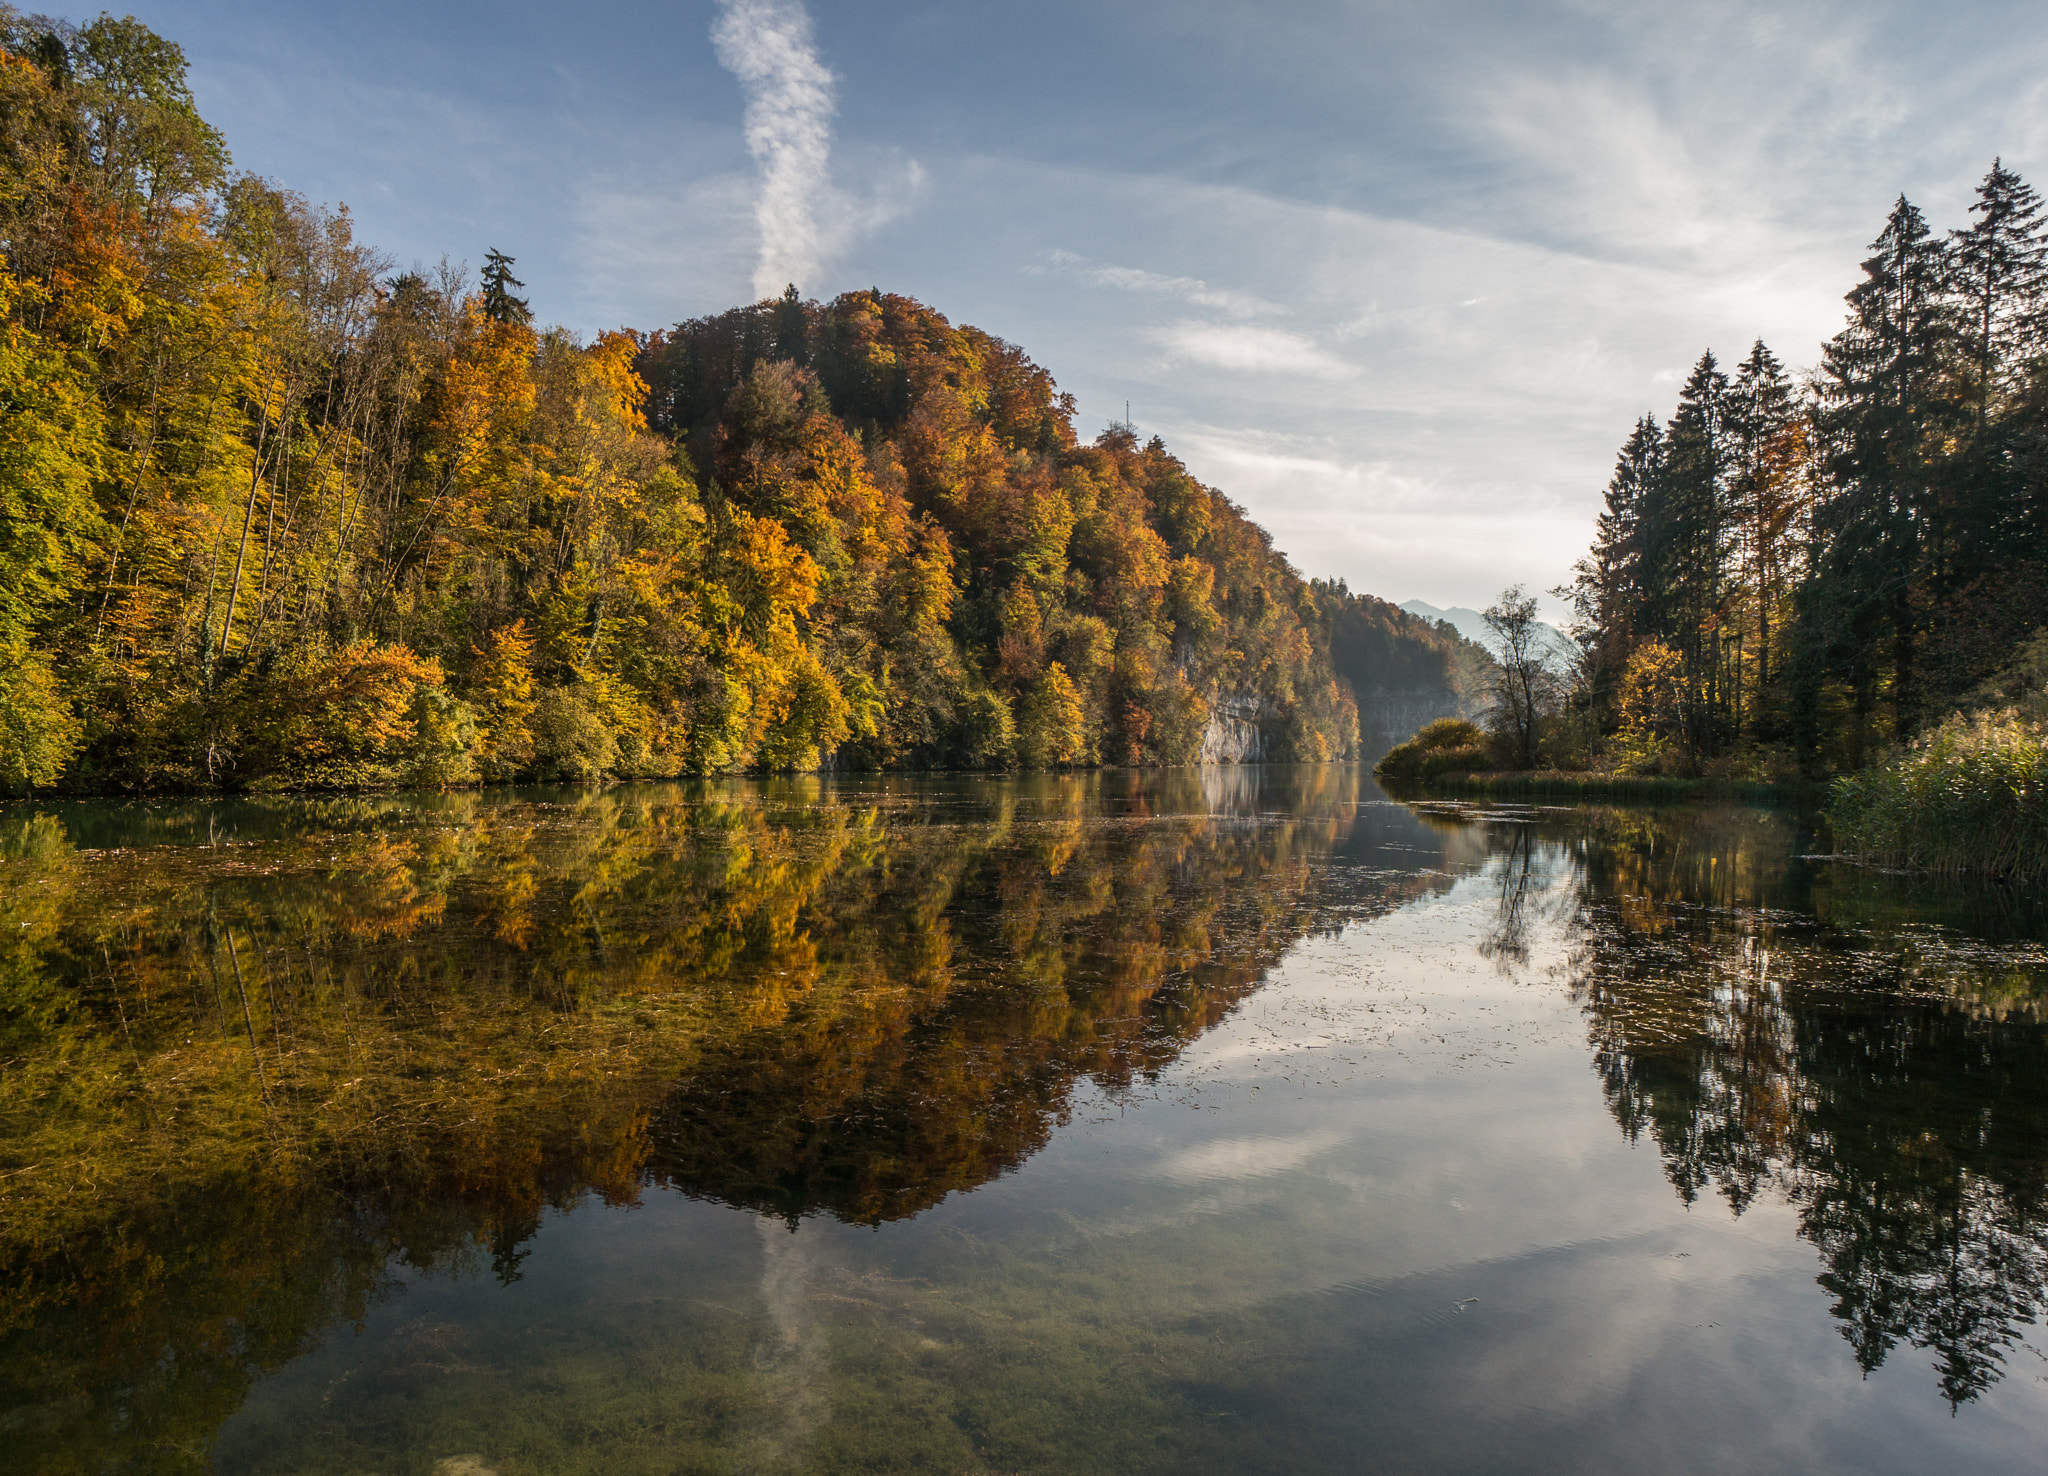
1237, 1121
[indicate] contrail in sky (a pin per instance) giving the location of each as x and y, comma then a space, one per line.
767, 45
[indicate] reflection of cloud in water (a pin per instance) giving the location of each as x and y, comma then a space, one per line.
791, 1357
1253, 1156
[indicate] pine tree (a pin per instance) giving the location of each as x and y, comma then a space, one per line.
2000, 277
1689, 542
791, 327
1764, 424
1980, 528
1890, 403
500, 306
1609, 591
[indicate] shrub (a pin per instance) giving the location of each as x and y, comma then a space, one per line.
1469, 760
1446, 746
570, 740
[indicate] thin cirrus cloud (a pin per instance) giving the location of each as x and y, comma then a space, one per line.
1246, 349
1137, 279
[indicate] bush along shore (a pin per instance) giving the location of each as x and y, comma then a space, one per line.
1457, 757
1645, 788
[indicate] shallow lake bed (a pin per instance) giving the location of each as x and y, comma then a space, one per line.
1239, 1120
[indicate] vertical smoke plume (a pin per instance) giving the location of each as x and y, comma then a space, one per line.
767, 45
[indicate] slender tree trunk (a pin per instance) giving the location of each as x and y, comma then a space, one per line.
227, 623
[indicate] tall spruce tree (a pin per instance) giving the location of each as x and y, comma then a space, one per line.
1609, 590
1891, 407
1688, 566
1981, 553
1763, 424
2000, 276
791, 327
500, 306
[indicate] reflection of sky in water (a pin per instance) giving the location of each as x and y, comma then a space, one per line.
1377, 1213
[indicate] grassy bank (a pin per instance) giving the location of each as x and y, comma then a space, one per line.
1560, 784
1453, 756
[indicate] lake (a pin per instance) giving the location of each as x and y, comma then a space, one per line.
1235, 1120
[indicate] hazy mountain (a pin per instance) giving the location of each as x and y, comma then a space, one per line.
1472, 626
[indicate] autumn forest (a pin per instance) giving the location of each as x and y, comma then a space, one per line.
280, 514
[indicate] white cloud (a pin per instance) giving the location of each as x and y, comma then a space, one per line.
1136, 279
767, 45
1254, 1156
803, 219
1248, 350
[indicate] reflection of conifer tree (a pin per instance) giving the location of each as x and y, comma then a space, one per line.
1919, 1174
1909, 1134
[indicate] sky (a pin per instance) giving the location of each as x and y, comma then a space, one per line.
1396, 277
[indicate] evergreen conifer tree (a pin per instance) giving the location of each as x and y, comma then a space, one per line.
2000, 277
1890, 405
1688, 567
500, 306
1609, 591
1763, 421
791, 327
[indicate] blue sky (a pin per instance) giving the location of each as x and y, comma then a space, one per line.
1397, 277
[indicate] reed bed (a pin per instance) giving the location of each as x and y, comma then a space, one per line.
1972, 796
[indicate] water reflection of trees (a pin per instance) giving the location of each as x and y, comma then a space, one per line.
1773, 1029
252, 1071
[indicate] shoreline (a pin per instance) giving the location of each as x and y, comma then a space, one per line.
755, 776
1633, 787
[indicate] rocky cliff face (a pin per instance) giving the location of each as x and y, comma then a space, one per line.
1237, 731
1389, 717
1234, 734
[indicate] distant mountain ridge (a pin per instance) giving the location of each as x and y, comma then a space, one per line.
1472, 626
1402, 670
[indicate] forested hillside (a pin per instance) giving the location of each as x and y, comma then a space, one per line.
278, 515
1806, 572
1403, 671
